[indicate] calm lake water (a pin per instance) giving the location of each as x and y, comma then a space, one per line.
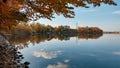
103, 52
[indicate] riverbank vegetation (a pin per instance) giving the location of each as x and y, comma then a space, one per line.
24, 29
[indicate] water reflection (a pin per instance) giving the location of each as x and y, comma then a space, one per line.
24, 41
53, 53
58, 65
116, 53
46, 55
66, 60
10, 57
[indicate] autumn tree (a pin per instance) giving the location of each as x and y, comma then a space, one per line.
24, 10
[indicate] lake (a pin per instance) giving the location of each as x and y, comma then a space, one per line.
74, 52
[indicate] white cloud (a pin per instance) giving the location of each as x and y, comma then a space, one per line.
116, 53
46, 55
58, 65
116, 12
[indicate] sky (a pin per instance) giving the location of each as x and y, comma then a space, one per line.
105, 17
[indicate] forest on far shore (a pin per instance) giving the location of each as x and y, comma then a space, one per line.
24, 29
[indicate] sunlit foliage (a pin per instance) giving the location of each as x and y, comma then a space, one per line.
24, 10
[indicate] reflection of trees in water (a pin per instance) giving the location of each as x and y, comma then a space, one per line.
89, 36
9, 56
23, 42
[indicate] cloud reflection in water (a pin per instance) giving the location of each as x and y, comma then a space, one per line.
58, 65
66, 60
46, 55
116, 53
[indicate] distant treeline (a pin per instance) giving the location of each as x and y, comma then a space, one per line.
24, 29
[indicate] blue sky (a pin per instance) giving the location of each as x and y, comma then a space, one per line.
105, 17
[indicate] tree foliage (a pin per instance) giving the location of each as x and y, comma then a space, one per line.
24, 10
